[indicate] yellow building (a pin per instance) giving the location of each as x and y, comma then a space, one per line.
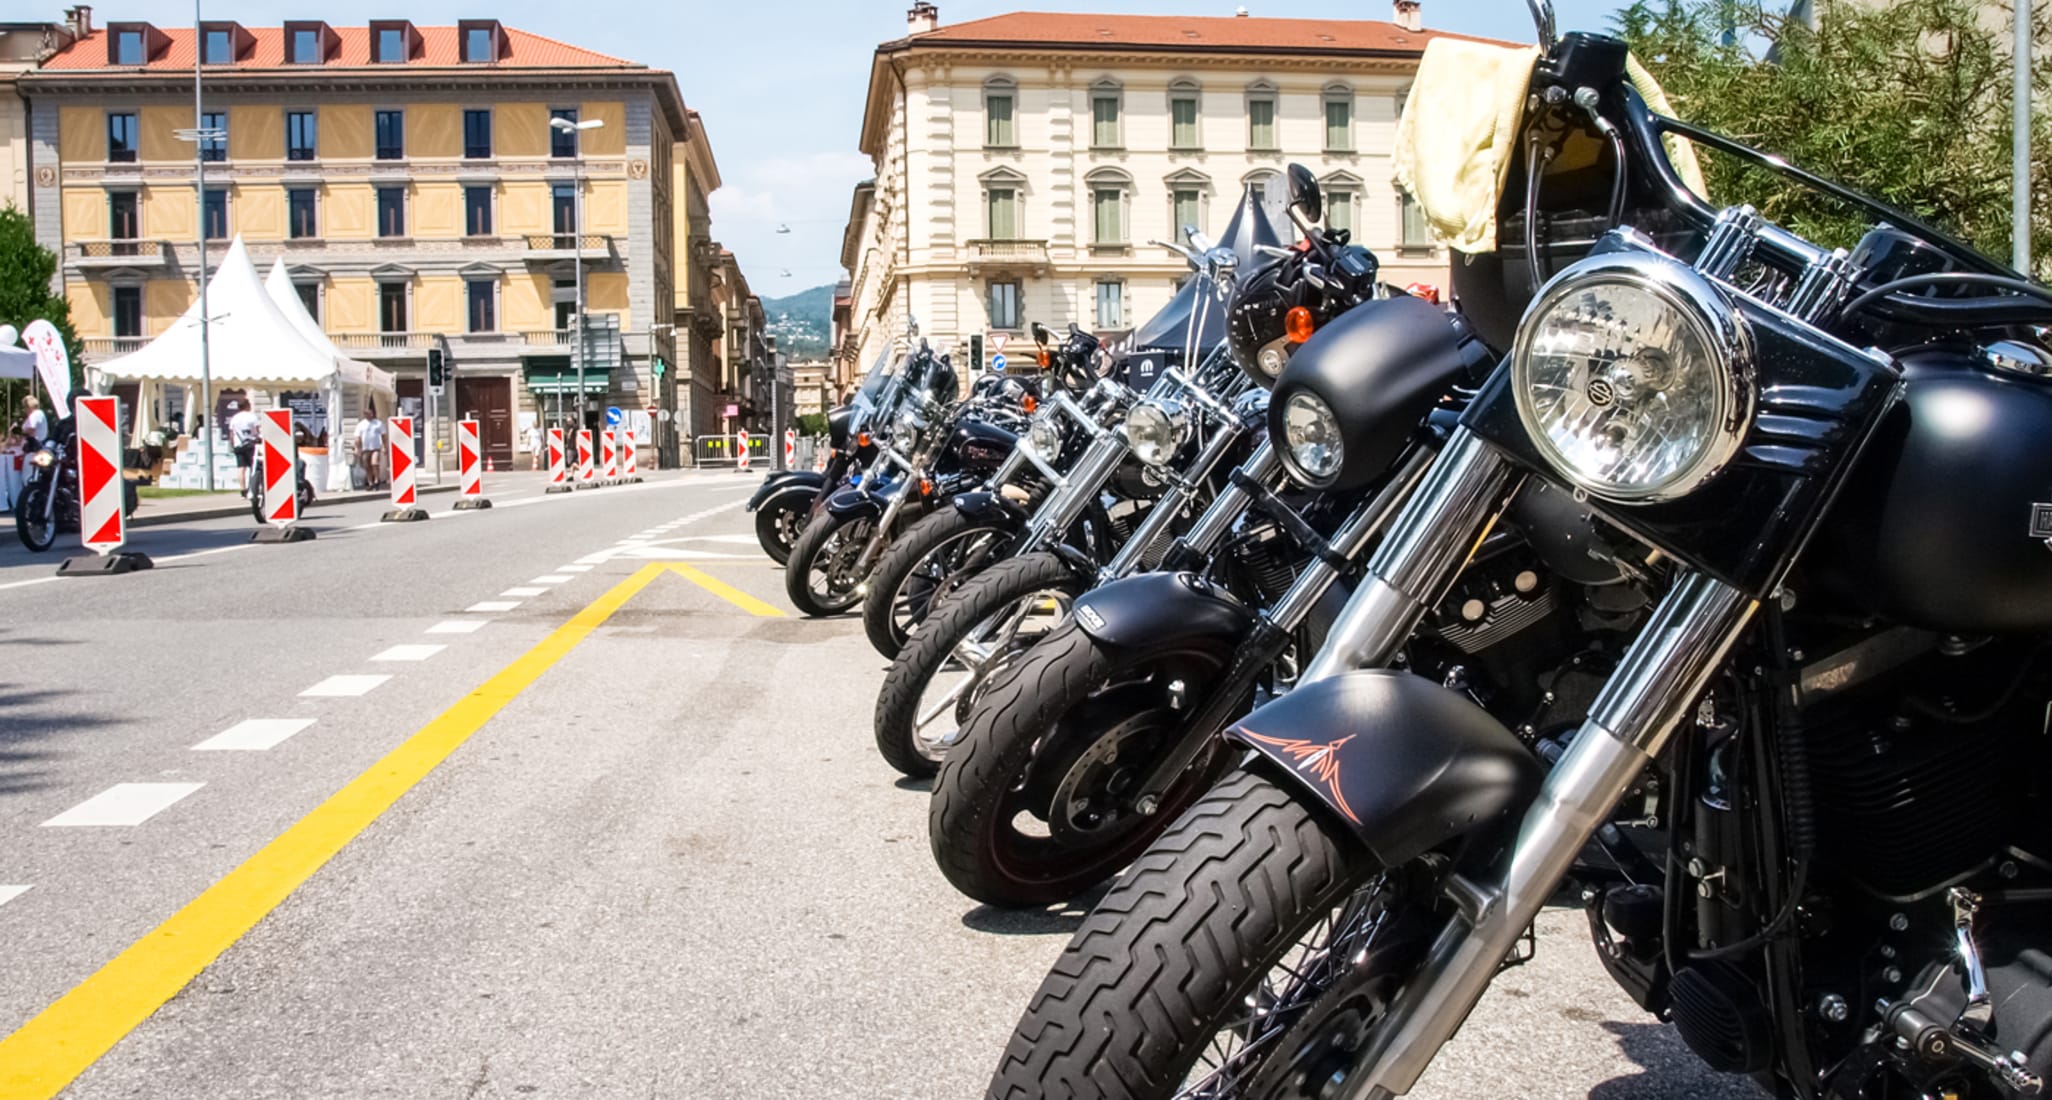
416, 180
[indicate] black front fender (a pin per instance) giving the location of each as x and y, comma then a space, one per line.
1405, 764
991, 507
856, 501
787, 479
1152, 608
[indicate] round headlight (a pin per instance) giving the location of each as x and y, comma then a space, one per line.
1273, 359
1046, 439
908, 424
1155, 430
1633, 376
42, 458
1311, 435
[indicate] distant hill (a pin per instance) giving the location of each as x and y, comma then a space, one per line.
802, 323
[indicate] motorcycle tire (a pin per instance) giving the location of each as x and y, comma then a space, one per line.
1027, 809
779, 522
820, 537
306, 498
1184, 948
37, 533
912, 557
130, 498
898, 730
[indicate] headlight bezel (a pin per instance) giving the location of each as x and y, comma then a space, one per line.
1697, 304
1292, 461
43, 459
1156, 430
1045, 437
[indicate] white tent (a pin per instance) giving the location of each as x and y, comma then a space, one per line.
17, 363
258, 337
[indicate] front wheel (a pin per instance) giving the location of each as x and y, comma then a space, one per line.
33, 519
1247, 954
820, 576
979, 632
778, 522
931, 559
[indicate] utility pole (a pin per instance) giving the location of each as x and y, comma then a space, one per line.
200, 135
2020, 143
576, 131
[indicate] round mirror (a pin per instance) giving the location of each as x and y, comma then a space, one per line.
1305, 196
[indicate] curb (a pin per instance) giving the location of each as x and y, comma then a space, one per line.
242, 508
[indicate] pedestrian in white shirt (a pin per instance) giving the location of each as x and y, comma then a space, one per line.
35, 423
242, 432
370, 450
534, 447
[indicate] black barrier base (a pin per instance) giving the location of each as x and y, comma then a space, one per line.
560, 489
635, 480
404, 515
104, 565
283, 534
471, 504
585, 485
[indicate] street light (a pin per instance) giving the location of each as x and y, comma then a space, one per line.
201, 136
577, 238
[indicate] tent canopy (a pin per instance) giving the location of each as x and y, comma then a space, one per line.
1169, 330
253, 340
17, 363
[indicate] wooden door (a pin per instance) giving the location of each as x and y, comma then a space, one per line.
490, 402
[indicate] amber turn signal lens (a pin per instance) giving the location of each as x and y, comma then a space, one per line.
862, 439
925, 487
1042, 358
1298, 326
1029, 404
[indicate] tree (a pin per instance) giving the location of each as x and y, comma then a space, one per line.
1907, 102
26, 272
812, 424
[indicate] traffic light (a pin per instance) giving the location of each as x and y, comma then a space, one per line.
659, 368
976, 350
438, 370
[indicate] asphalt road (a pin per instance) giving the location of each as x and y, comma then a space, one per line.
660, 857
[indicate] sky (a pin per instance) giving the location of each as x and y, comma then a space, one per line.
781, 83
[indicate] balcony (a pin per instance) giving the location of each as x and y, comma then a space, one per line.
99, 255
99, 349
1009, 253
386, 345
550, 247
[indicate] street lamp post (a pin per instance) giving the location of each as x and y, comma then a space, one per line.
200, 136
576, 131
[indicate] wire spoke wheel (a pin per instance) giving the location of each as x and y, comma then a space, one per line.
936, 574
991, 647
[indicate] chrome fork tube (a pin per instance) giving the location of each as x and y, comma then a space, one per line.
1262, 467
1666, 669
1435, 533
1373, 515
1067, 502
1181, 491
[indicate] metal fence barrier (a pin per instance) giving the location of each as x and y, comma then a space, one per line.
718, 451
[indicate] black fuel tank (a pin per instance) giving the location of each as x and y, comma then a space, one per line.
1935, 529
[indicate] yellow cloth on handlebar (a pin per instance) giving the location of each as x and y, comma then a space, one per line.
1462, 124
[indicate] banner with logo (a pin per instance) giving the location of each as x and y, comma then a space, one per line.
52, 363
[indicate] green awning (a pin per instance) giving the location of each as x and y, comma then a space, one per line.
558, 377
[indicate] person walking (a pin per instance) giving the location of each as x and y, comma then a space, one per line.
242, 432
534, 446
370, 450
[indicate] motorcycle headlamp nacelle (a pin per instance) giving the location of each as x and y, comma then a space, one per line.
1634, 377
1046, 437
1156, 430
1312, 446
43, 458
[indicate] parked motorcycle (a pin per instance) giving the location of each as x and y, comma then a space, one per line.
49, 504
789, 499
305, 492
1816, 775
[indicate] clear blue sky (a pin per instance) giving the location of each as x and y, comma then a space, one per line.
781, 82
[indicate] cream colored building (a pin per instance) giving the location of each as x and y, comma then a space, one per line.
1023, 162
23, 46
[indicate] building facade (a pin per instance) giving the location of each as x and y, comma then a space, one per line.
431, 189
1024, 162
23, 46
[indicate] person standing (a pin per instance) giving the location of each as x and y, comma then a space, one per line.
242, 432
35, 424
534, 446
370, 450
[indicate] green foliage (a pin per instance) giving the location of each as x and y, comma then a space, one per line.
26, 269
1907, 102
812, 424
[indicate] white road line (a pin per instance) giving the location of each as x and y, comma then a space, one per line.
337, 687
123, 804
409, 653
550, 578
458, 626
9, 893
578, 568
525, 591
25, 584
253, 735
488, 606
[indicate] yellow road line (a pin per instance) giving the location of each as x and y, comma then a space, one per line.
727, 592
64, 1039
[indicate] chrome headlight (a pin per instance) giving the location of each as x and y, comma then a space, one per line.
42, 458
1273, 358
1155, 430
1311, 435
908, 425
1634, 377
1046, 438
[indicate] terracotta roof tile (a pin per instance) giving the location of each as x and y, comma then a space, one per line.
439, 47
1182, 32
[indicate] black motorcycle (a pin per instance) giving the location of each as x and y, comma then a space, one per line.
49, 504
1814, 778
788, 499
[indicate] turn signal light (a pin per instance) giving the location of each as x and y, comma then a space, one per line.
925, 487
1029, 404
862, 439
1042, 358
1298, 325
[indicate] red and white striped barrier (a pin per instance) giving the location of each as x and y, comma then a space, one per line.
790, 447
585, 475
103, 496
609, 453
741, 449
629, 468
469, 468
559, 477
281, 468
399, 458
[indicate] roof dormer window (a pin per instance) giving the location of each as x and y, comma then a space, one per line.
308, 43
128, 47
482, 41
392, 41
133, 44
223, 43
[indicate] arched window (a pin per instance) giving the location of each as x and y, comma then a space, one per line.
1111, 194
1184, 112
1107, 115
1265, 184
1000, 113
1339, 118
1262, 134
1342, 201
1189, 194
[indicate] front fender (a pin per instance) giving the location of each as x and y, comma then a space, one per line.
1405, 764
1152, 608
778, 482
989, 507
857, 502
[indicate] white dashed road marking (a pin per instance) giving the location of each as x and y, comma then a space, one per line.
409, 653
458, 626
9, 893
344, 686
488, 606
523, 592
253, 735
123, 804
573, 568
551, 578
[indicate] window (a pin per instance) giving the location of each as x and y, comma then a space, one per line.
124, 223
391, 211
391, 307
566, 316
1003, 213
299, 213
310, 297
1187, 208
479, 45
300, 135
391, 135
563, 203
999, 130
1111, 305
484, 313
215, 224
1183, 116
477, 211
1107, 205
1339, 120
1339, 211
477, 134
391, 45
1104, 118
306, 46
219, 46
1004, 305
214, 148
1261, 119
128, 311
128, 47
121, 140
1417, 234
1259, 183
562, 143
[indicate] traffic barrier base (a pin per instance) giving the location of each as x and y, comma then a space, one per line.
404, 515
472, 504
294, 533
563, 488
104, 565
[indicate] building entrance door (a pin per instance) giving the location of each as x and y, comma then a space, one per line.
490, 402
